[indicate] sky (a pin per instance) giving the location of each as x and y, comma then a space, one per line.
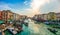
30, 7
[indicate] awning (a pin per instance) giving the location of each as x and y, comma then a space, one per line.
1, 21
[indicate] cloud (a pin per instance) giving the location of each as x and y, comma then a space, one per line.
57, 9
53, 6
36, 5
4, 7
26, 3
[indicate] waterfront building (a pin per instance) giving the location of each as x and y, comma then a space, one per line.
0, 15
51, 16
7, 15
57, 16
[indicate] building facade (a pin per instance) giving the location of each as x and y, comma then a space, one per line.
57, 16
41, 16
48, 16
51, 16
17, 17
44, 16
7, 15
1, 15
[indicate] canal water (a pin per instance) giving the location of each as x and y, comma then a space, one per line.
33, 29
24, 32
0, 33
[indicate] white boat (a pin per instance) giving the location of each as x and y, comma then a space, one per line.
12, 30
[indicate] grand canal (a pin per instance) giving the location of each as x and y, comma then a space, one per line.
34, 29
